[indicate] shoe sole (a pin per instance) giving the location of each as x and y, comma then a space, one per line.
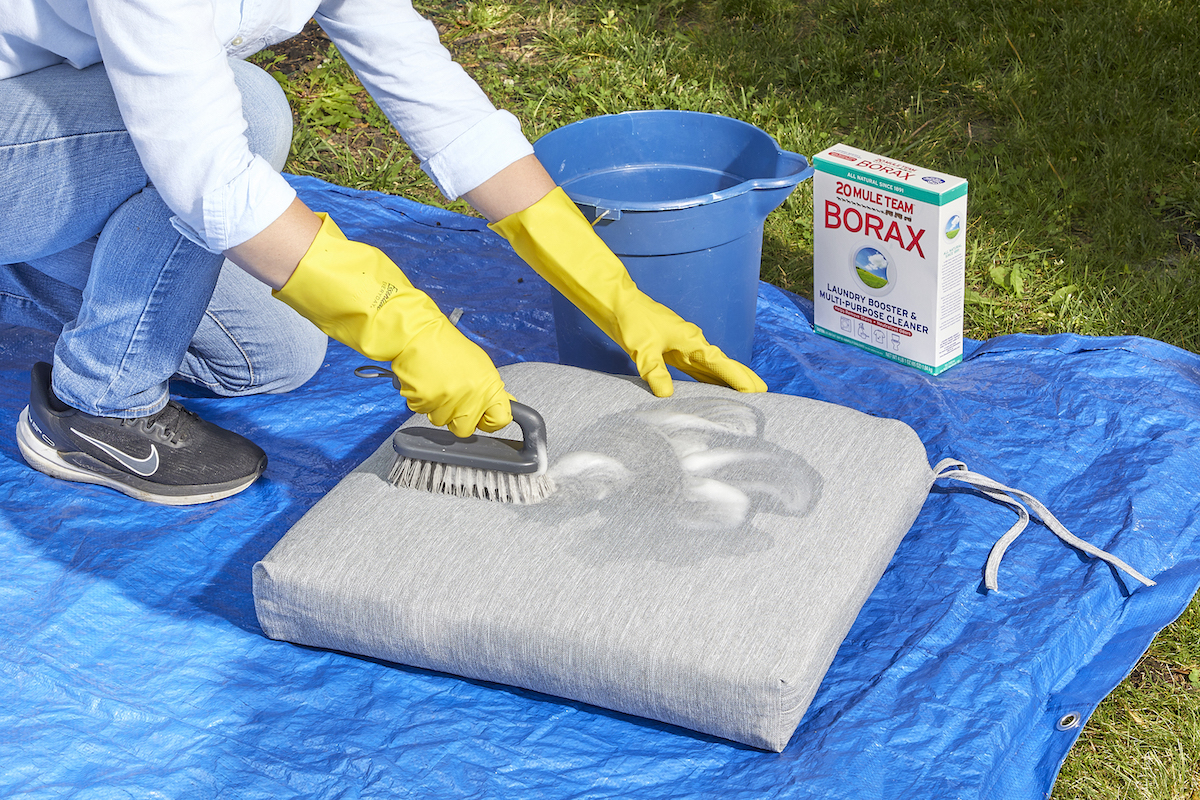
46, 459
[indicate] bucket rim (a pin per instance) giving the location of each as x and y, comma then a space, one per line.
798, 166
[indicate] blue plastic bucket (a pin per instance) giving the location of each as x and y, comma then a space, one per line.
681, 198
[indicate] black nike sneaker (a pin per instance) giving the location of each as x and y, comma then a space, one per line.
170, 457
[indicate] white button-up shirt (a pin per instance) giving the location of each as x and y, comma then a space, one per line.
168, 65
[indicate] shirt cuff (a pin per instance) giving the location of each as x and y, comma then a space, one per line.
484, 149
239, 210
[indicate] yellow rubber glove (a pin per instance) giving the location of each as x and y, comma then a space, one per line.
556, 240
354, 293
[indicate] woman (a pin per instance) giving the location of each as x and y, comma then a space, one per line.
139, 156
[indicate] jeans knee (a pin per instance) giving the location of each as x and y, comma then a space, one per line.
268, 116
273, 362
305, 354
248, 342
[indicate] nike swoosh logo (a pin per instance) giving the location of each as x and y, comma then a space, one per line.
142, 466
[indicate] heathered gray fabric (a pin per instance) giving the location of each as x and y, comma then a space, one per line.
702, 560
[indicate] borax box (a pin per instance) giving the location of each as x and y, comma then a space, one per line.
889, 257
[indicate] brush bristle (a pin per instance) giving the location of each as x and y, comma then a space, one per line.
484, 484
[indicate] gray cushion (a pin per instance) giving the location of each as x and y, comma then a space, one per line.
699, 564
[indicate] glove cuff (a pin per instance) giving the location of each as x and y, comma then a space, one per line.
558, 242
356, 294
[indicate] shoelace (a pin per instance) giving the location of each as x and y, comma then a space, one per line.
172, 421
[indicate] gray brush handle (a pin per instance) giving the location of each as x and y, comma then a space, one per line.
480, 452
533, 432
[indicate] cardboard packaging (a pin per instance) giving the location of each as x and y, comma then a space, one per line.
889, 256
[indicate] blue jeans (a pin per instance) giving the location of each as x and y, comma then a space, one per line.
88, 251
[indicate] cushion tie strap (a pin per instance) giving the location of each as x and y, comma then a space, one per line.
950, 469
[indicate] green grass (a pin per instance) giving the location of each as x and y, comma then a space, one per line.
1077, 123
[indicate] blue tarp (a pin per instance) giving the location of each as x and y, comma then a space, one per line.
133, 665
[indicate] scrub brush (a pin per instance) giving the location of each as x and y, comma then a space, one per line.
486, 467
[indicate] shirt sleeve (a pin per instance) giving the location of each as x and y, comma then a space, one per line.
460, 138
179, 102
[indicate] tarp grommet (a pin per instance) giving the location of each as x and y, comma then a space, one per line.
1068, 721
